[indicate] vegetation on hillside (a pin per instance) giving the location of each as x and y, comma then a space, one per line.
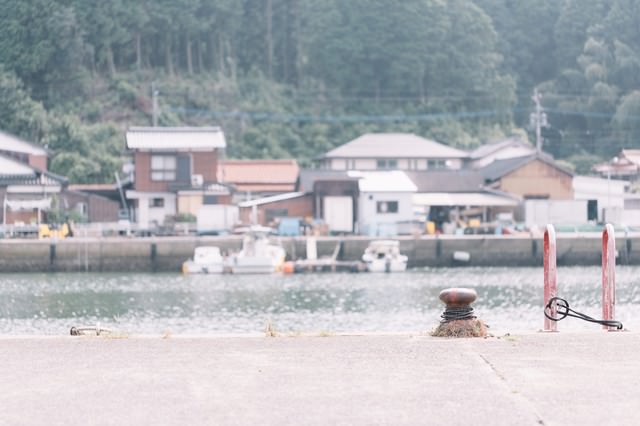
293, 78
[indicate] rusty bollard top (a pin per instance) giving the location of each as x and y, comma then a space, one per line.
458, 296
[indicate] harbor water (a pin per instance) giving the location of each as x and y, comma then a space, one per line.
509, 300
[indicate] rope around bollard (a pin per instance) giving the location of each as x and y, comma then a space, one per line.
563, 311
90, 330
453, 313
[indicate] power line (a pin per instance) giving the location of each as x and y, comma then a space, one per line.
287, 117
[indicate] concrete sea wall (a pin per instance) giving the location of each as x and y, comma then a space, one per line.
166, 254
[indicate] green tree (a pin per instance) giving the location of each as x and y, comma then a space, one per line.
19, 114
626, 123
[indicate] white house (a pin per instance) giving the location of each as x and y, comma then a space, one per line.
385, 201
392, 151
605, 197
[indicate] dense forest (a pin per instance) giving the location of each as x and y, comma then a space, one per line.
293, 78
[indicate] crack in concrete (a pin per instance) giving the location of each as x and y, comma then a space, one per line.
514, 392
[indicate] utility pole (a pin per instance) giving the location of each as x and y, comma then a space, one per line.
154, 97
538, 119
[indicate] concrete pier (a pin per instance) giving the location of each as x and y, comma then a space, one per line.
402, 379
166, 254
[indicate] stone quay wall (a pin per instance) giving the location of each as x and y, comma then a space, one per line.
166, 254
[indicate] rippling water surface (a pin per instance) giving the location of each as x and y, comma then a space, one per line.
510, 299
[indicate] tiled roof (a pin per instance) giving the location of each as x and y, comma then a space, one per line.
394, 145
633, 155
13, 143
490, 148
500, 168
175, 138
11, 167
465, 180
13, 172
308, 177
260, 175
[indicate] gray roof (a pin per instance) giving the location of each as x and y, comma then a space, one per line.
175, 138
500, 168
308, 177
464, 180
13, 172
489, 148
14, 144
394, 145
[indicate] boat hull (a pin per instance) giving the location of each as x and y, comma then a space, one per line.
383, 266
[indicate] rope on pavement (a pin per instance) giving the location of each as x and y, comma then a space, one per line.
563, 311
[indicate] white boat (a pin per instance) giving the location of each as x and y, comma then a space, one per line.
206, 260
384, 256
258, 254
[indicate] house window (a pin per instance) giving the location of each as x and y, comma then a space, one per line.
82, 208
156, 202
163, 167
536, 196
387, 164
384, 207
436, 164
210, 199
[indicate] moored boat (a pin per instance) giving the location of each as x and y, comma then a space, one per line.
258, 254
384, 256
206, 260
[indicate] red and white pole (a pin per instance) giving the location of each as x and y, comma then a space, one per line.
608, 274
550, 276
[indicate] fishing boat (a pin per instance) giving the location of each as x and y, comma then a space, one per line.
206, 260
258, 254
384, 256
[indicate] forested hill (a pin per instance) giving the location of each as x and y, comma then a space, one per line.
293, 78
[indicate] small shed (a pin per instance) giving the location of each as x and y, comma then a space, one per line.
385, 202
265, 211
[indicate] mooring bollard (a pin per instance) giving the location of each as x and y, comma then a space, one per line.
458, 319
608, 275
550, 276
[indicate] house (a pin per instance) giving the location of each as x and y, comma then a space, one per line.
448, 196
376, 203
625, 165
535, 176
27, 193
267, 210
335, 197
97, 202
175, 172
509, 148
27, 189
385, 202
392, 151
603, 196
259, 178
